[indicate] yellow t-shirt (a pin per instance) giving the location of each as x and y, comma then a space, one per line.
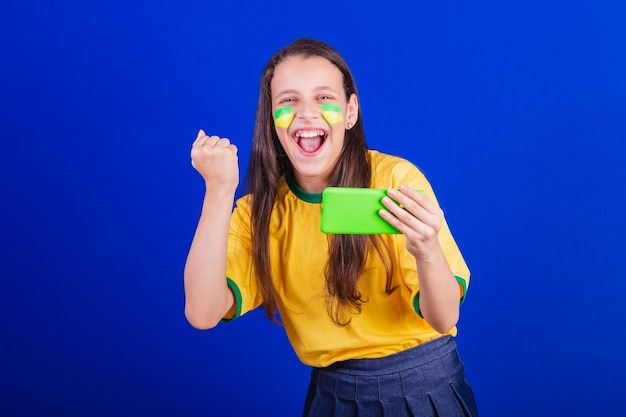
387, 324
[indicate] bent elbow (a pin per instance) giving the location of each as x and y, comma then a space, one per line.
443, 325
199, 320
444, 328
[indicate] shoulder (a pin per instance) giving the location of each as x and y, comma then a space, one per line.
244, 203
391, 171
242, 214
383, 162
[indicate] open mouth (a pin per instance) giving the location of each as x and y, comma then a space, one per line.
310, 140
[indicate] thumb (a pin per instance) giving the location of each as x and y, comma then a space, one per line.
201, 134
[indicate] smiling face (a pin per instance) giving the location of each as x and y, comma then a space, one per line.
310, 113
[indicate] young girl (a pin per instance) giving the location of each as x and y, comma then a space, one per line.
374, 315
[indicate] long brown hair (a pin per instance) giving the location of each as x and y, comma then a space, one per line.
268, 162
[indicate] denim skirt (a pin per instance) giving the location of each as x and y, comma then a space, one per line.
427, 380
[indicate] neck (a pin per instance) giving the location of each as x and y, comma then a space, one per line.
313, 185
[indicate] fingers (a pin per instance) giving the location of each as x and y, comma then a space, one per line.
415, 202
212, 141
411, 198
209, 147
410, 210
224, 143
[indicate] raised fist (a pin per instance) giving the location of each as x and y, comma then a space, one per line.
216, 160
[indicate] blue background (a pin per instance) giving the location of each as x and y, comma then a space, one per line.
514, 110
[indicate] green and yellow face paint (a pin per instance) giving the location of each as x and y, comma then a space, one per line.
283, 117
332, 113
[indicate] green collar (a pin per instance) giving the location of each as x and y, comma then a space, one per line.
300, 193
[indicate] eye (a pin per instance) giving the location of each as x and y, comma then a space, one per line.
325, 97
287, 100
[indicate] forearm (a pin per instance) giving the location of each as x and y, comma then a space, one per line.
207, 296
420, 220
439, 292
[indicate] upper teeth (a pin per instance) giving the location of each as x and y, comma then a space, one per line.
310, 133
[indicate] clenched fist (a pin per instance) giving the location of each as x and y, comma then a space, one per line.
216, 160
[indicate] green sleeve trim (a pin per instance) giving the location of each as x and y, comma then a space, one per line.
462, 283
237, 293
416, 305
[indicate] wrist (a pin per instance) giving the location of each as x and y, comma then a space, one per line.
432, 255
219, 191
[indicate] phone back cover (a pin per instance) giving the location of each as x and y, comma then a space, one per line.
353, 211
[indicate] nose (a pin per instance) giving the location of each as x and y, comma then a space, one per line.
308, 111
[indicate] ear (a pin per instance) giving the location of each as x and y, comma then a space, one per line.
352, 111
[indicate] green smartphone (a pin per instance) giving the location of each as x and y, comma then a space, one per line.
354, 211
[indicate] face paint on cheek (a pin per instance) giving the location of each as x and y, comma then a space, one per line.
332, 113
283, 117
